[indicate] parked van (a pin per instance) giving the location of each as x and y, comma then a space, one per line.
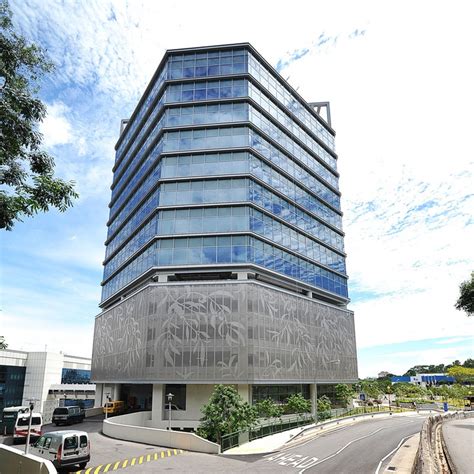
68, 415
114, 408
9, 417
64, 448
21, 426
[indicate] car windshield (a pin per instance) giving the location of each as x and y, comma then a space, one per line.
36, 420
61, 411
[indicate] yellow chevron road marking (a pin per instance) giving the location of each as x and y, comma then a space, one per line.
131, 462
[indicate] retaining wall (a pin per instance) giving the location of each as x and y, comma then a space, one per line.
136, 427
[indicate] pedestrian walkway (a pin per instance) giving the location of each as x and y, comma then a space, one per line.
272, 443
458, 436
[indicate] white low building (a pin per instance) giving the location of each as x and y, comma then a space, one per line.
49, 378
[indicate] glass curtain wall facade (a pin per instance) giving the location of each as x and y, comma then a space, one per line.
223, 169
218, 127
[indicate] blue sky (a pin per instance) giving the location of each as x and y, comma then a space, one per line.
400, 87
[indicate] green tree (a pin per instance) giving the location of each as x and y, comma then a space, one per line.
27, 181
3, 344
225, 413
461, 374
408, 390
268, 409
298, 404
469, 363
465, 301
344, 393
370, 388
324, 408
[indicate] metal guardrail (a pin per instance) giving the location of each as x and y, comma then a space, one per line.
237, 438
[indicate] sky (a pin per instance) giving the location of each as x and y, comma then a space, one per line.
399, 78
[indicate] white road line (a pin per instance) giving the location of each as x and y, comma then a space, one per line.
342, 449
391, 452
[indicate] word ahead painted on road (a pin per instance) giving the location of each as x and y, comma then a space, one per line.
291, 460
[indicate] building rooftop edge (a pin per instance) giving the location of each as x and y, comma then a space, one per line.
247, 45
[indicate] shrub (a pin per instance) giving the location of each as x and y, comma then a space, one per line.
268, 409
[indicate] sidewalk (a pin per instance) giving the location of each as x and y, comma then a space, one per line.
287, 439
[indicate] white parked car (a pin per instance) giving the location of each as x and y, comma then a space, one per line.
20, 431
64, 448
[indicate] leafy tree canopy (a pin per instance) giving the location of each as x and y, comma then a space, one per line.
298, 404
437, 369
3, 344
462, 374
27, 181
324, 408
225, 413
465, 301
371, 388
344, 393
268, 409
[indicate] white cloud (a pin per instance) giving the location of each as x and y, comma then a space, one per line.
401, 101
56, 128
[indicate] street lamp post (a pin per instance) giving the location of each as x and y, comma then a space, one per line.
107, 396
170, 398
32, 406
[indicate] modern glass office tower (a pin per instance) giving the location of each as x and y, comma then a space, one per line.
225, 254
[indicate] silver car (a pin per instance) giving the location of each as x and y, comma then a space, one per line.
64, 448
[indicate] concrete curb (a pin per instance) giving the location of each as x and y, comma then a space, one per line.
404, 458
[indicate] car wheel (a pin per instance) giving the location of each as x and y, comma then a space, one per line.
82, 465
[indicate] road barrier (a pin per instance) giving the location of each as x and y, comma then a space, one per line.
432, 456
132, 427
14, 461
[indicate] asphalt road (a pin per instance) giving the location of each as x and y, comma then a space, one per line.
356, 449
459, 438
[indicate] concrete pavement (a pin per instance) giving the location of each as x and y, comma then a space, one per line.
459, 439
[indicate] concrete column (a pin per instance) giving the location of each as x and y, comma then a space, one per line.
99, 395
313, 393
157, 403
244, 392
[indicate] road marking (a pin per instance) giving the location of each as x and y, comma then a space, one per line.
291, 459
342, 449
131, 462
391, 452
